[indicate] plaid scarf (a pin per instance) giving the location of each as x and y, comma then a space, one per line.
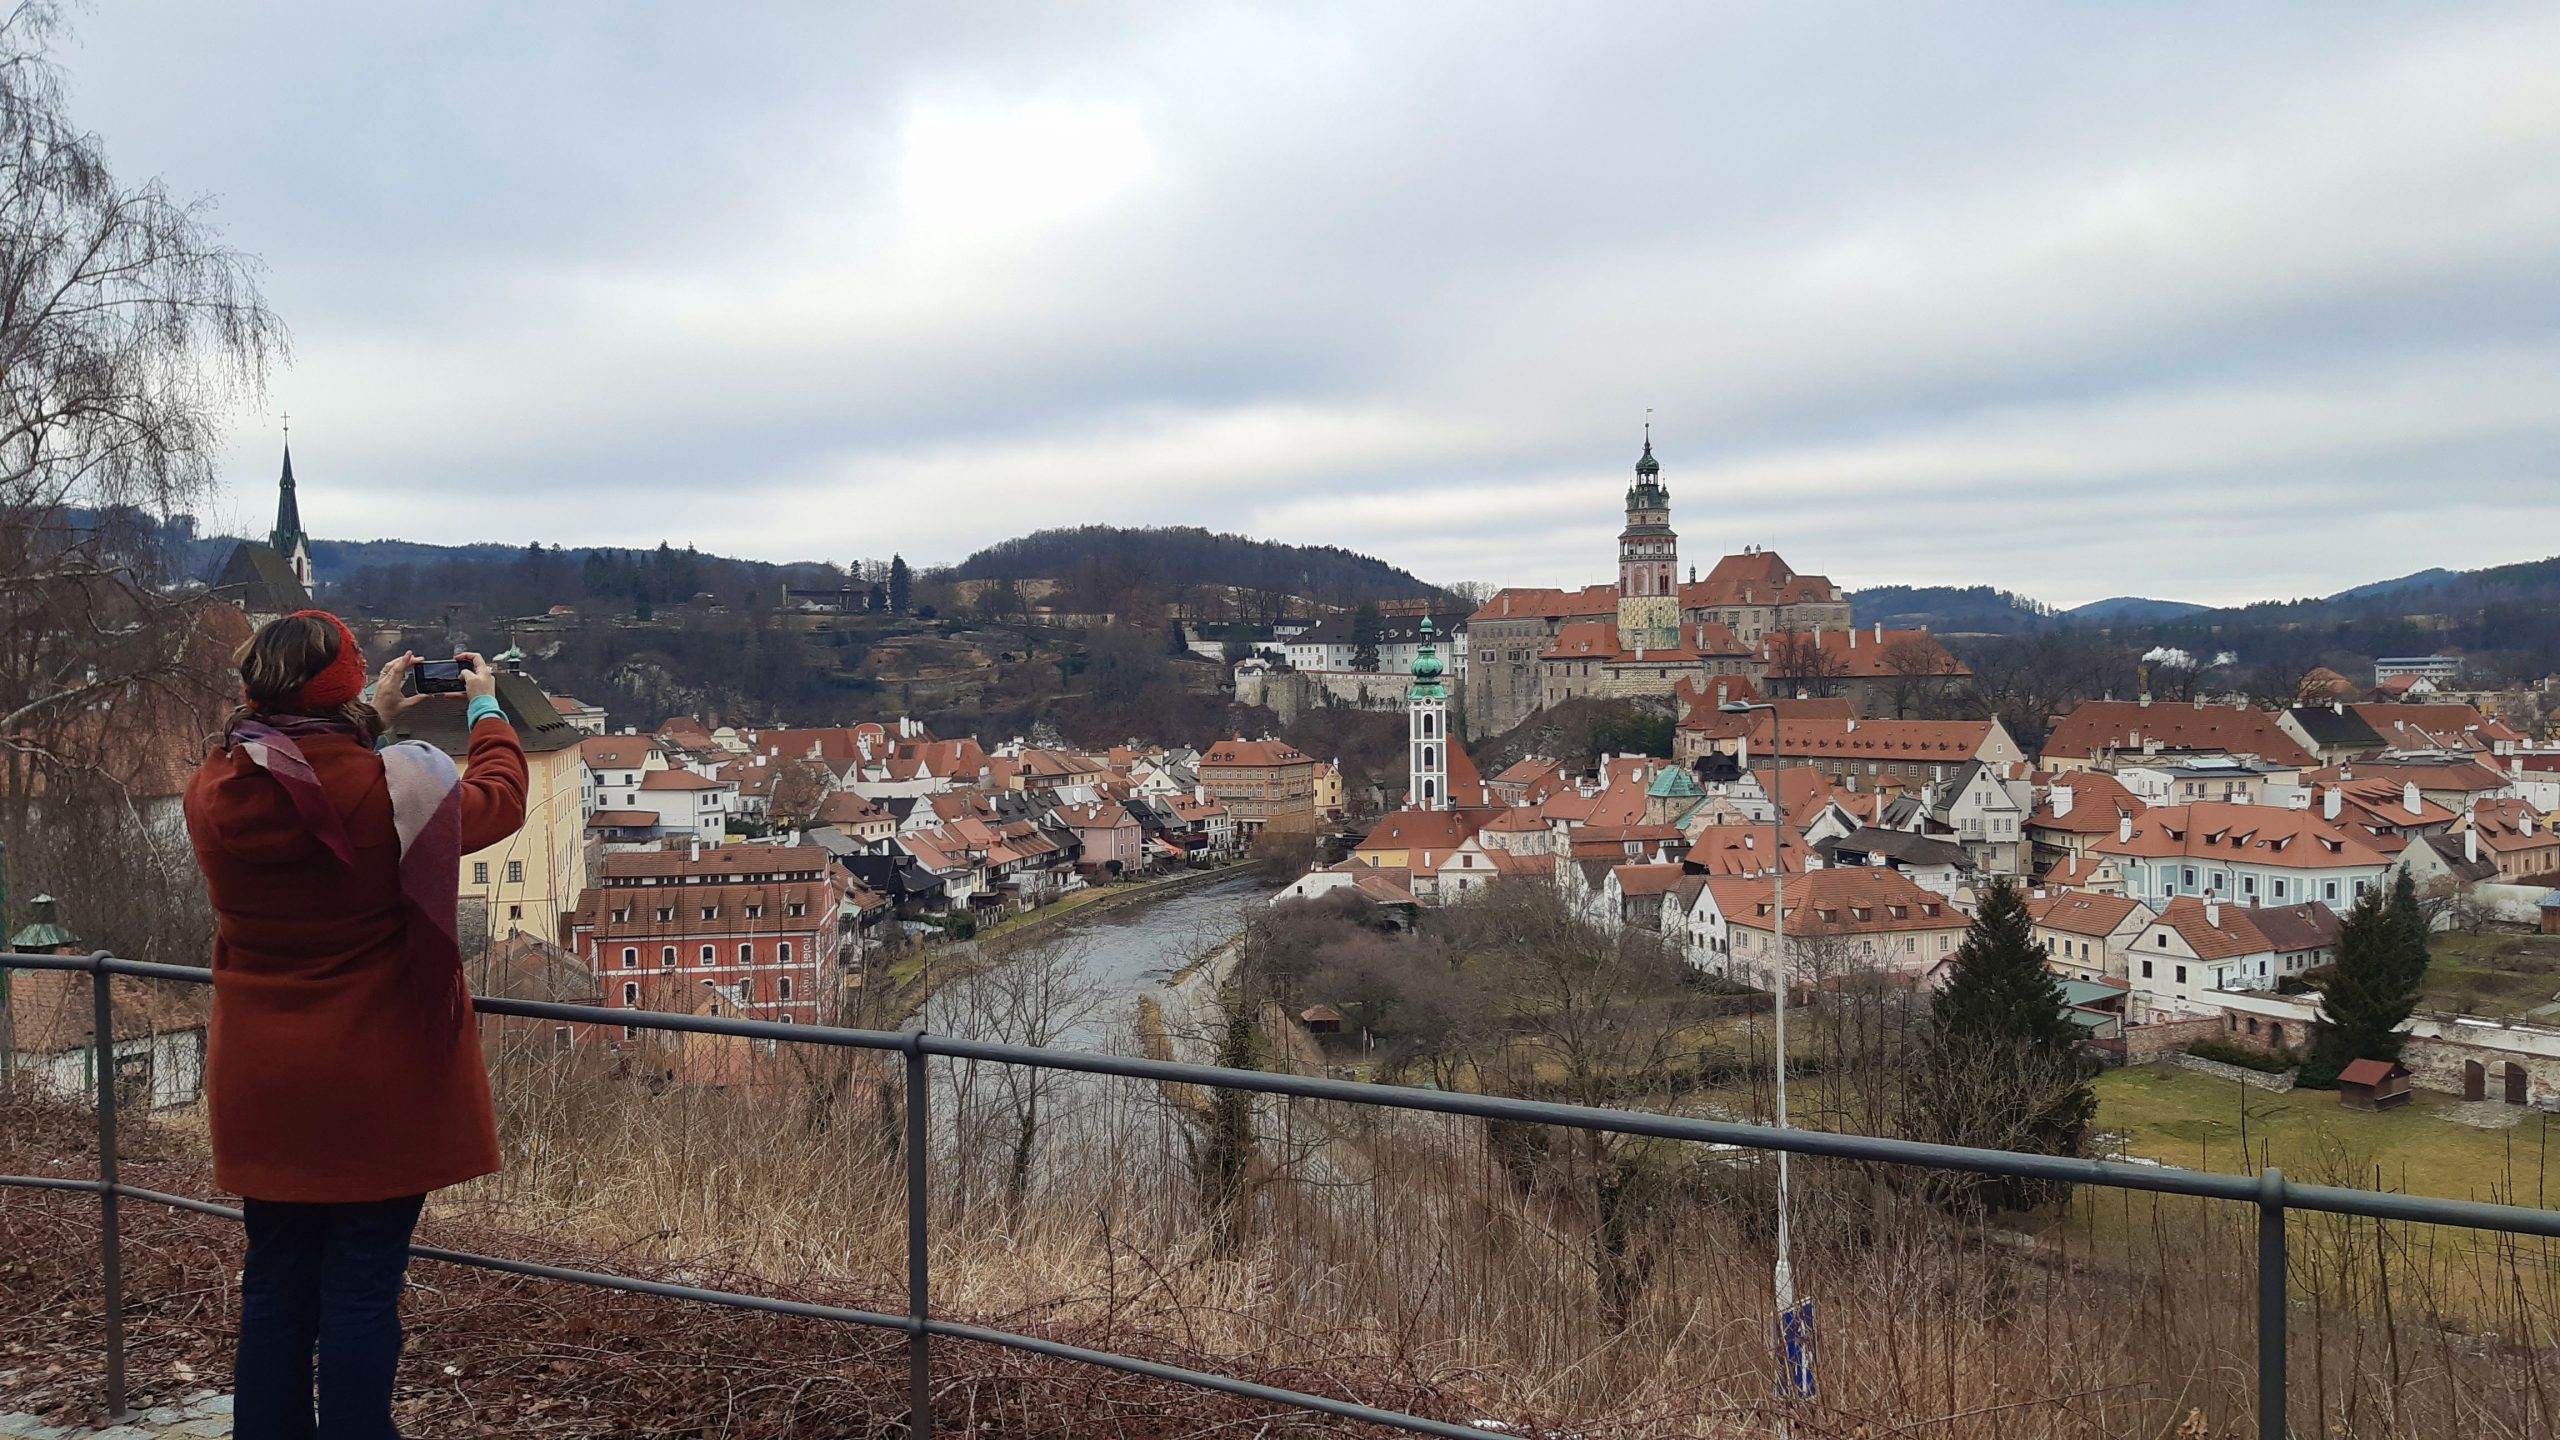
426, 813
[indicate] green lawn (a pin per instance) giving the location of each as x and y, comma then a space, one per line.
2180, 1117
2501, 974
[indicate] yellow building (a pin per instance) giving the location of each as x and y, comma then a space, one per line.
529, 880
1329, 792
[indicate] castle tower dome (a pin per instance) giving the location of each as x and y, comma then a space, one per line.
1648, 561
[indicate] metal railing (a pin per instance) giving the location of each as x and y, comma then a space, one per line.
2268, 1191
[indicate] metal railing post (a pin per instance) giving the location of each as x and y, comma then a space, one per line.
919, 1267
2271, 1305
102, 1050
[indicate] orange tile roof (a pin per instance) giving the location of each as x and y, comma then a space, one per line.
2257, 834
1647, 879
1536, 604
2077, 912
1257, 753
2095, 726
1859, 654
1838, 901
2097, 798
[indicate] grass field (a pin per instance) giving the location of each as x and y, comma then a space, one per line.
2180, 1117
2500, 974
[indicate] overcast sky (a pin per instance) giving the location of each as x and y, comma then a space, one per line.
2206, 302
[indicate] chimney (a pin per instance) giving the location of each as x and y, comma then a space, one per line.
2124, 829
2409, 796
2471, 846
2213, 912
2145, 702
2062, 798
2329, 803
693, 851
1853, 637
1879, 632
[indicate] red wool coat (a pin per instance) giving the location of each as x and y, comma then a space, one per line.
322, 1086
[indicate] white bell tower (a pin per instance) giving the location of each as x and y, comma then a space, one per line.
1427, 729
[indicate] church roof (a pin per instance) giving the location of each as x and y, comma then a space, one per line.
259, 579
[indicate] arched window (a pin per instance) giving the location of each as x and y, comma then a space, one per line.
667, 956
782, 988
1430, 791
782, 952
708, 954
630, 957
1430, 758
746, 954
747, 990
631, 994
1426, 722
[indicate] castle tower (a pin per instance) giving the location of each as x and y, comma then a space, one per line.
1427, 729
287, 537
1648, 562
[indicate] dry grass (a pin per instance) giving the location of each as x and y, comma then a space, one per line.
1403, 1260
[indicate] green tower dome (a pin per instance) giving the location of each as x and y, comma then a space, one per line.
1427, 668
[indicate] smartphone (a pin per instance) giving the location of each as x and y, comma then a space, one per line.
437, 677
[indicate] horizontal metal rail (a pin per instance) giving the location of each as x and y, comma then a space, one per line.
2268, 1191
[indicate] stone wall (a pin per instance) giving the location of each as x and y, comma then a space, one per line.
2254, 1079
1291, 693
2150, 1042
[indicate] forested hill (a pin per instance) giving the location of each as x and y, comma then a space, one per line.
1949, 609
1170, 557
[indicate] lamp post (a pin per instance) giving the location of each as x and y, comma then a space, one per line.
1786, 1275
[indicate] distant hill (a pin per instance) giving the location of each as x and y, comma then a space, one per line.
1102, 558
2132, 609
2435, 579
1952, 609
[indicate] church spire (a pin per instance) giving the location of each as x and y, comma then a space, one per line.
287, 537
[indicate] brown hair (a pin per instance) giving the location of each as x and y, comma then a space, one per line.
279, 660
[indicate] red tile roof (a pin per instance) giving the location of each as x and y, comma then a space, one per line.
1529, 604
2096, 726
2255, 834
1838, 901
1856, 654
2077, 912
1261, 754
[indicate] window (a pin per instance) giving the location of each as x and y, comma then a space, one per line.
2279, 887
2249, 886
782, 988
755, 912
2146, 969
2164, 940
2182, 974
2328, 889
747, 990
667, 956
631, 994
622, 914
746, 954
707, 956
559, 1037
782, 1019
2187, 877
666, 912
630, 957
630, 1032
710, 912
782, 952
479, 872
515, 872
796, 907
515, 912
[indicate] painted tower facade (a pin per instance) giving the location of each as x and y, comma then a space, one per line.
1427, 729
1648, 562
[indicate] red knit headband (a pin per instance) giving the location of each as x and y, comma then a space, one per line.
344, 678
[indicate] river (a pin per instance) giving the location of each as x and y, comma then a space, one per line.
1132, 951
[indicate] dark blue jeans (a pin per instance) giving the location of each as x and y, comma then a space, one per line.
322, 1283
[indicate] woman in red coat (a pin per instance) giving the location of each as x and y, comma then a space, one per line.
344, 1070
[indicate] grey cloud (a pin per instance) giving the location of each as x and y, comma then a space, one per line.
2183, 300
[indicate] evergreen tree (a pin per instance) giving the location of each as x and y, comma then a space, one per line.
1364, 637
879, 598
902, 583
2410, 926
2369, 994
2001, 1066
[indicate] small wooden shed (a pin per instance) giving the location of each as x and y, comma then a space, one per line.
2373, 1085
1321, 1020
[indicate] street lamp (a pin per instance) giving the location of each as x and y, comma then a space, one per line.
1786, 1275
